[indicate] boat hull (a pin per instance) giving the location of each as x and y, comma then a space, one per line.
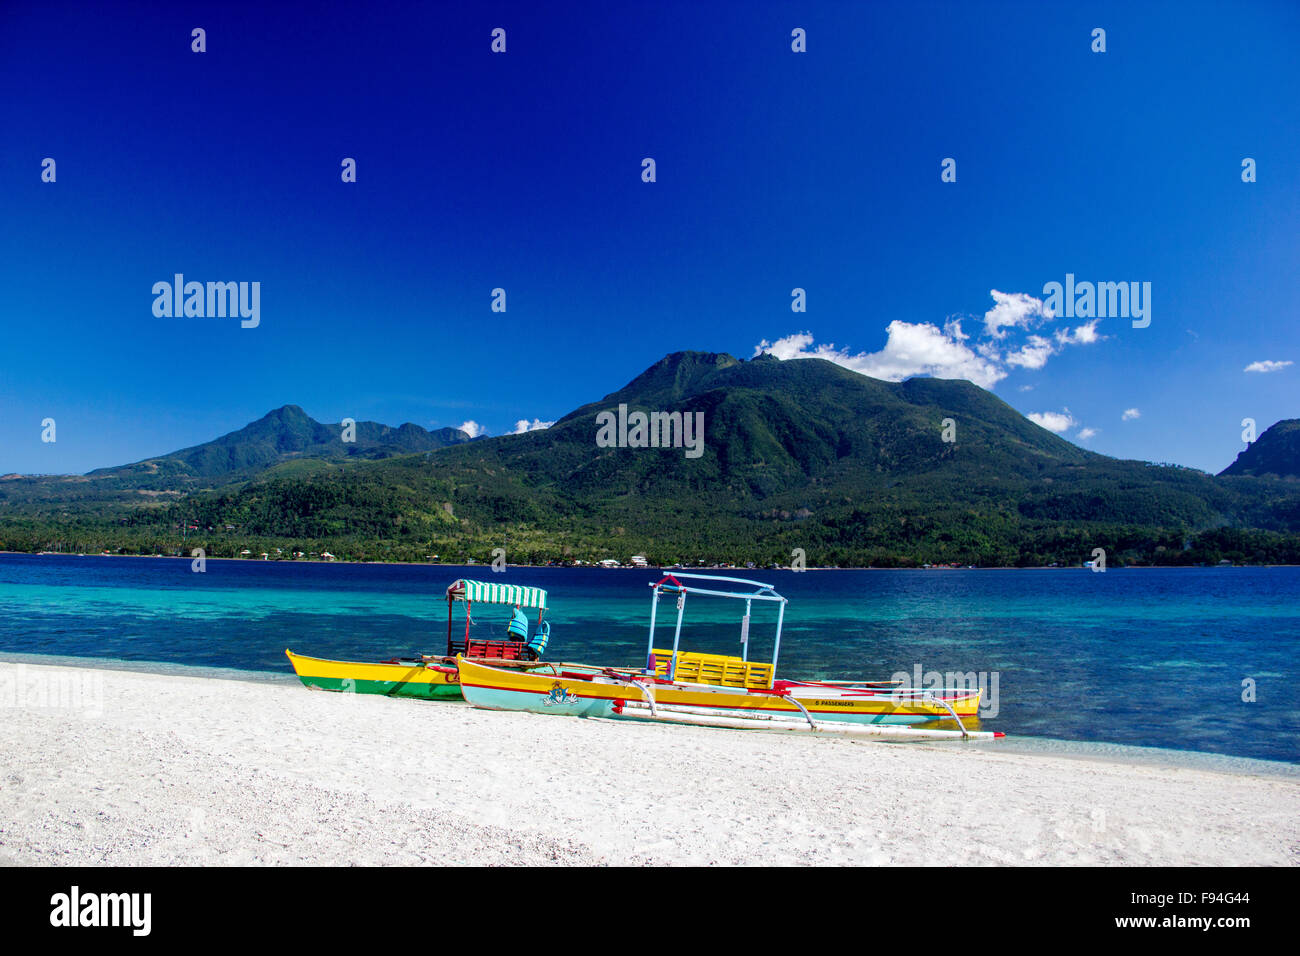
392, 680
497, 689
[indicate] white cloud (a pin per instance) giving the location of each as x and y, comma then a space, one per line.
910, 349
1058, 422
1026, 388
1014, 310
473, 429
1130, 413
524, 425
1086, 433
1033, 354
1085, 334
1268, 365
923, 348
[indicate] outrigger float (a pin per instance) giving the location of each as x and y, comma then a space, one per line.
717, 690
435, 677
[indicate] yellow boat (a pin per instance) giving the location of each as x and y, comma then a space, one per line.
435, 678
713, 688
429, 680
608, 692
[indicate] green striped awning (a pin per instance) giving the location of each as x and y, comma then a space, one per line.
492, 593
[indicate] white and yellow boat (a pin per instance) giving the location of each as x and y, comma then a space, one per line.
718, 690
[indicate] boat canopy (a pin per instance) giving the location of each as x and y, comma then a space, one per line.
761, 592
492, 593
670, 584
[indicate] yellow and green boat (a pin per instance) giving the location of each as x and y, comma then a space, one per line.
429, 677
414, 677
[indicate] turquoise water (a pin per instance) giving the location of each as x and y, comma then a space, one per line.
1140, 657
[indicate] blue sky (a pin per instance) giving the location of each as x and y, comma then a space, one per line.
775, 170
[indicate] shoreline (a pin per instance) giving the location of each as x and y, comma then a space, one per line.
167, 769
597, 567
1026, 744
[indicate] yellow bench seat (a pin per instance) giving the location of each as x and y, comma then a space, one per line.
720, 669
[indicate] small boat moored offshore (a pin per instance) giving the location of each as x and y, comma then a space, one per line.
720, 690
435, 677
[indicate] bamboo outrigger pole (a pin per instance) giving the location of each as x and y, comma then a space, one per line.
673, 713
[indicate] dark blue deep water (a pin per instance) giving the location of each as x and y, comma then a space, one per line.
1148, 657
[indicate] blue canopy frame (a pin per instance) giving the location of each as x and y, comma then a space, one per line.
670, 584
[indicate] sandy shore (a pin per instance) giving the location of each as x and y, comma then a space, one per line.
124, 768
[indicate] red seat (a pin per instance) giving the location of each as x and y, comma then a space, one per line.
495, 650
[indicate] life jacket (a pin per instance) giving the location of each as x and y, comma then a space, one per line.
538, 644
518, 626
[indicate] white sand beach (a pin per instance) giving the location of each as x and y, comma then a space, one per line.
161, 769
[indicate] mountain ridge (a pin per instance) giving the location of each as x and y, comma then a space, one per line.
797, 454
1275, 453
280, 435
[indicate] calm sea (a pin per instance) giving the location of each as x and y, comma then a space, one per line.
1153, 658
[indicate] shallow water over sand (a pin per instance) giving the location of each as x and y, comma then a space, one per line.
1152, 658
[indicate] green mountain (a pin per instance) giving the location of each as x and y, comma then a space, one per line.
1276, 453
282, 435
286, 438
796, 454
799, 431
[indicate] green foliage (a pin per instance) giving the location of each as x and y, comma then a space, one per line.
798, 454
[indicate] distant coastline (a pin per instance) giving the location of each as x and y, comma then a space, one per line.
486, 567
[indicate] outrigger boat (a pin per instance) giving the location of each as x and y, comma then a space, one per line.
399, 677
435, 677
720, 690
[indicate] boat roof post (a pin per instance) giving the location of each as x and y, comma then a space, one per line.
744, 632
449, 605
677, 634
780, 616
650, 647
